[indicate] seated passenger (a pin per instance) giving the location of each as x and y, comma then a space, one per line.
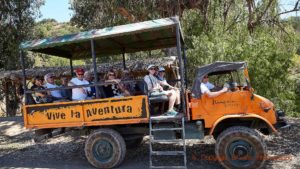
114, 90
161, 77
80, 93
155, 89
89, 77
206, 90
131, 84
209, 85
50, 83
66, 93
40, 97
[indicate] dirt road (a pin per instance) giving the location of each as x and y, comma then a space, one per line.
66, 151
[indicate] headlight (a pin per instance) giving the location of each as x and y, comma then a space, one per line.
280, 113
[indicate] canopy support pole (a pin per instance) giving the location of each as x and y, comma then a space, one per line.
71, 66
178, 44
21, 53
184, 64
95, 67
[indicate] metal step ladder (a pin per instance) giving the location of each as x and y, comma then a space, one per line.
162, 120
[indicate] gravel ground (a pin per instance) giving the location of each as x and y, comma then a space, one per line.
17, 150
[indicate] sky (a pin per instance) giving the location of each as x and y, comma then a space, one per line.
56, 9
59, 9
286, 5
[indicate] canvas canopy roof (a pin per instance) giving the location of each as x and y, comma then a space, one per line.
212, 69
141, 36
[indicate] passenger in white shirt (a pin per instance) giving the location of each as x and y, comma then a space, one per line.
155, 89
206, 90
82, 92
50, 83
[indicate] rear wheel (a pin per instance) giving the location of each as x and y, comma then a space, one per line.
105, 148
240, 147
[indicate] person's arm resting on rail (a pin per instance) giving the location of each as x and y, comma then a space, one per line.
205, 90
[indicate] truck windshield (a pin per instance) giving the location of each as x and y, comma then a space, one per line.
233, 79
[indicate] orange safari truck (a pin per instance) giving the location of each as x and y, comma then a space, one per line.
236, 118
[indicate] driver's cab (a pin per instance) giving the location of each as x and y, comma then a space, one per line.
233, 80
232, 75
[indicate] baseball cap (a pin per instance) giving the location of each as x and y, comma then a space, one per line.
79, 71
161, 69
150, 66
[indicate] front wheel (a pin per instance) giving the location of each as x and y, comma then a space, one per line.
105, 148
240, 147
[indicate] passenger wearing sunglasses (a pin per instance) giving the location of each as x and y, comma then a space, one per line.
161, 77
205, 89
155, 88
40, 97
50, 83
117, 89
80, 93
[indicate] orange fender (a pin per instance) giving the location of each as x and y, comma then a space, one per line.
248, 115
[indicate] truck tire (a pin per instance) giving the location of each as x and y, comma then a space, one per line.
240, 147
105, 148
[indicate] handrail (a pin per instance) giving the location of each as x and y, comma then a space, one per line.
89, 85
79, 86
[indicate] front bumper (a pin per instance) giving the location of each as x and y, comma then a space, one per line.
281, 124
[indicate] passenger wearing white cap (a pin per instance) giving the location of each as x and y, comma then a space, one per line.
50, 83
155, 89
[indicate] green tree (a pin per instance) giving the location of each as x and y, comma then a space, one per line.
104, 13
16, 22
226, 30
51, 28
268, 49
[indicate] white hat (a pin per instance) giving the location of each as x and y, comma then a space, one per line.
161, 69
150, 66
47, 76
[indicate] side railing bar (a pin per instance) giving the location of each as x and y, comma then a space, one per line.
79, 86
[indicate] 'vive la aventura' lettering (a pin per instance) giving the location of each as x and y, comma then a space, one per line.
109, 110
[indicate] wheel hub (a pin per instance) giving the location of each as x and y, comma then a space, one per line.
103, 150
241, 153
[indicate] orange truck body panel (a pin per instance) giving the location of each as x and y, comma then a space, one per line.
98, 112
236, 104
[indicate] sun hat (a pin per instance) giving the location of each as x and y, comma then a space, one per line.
150, 66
